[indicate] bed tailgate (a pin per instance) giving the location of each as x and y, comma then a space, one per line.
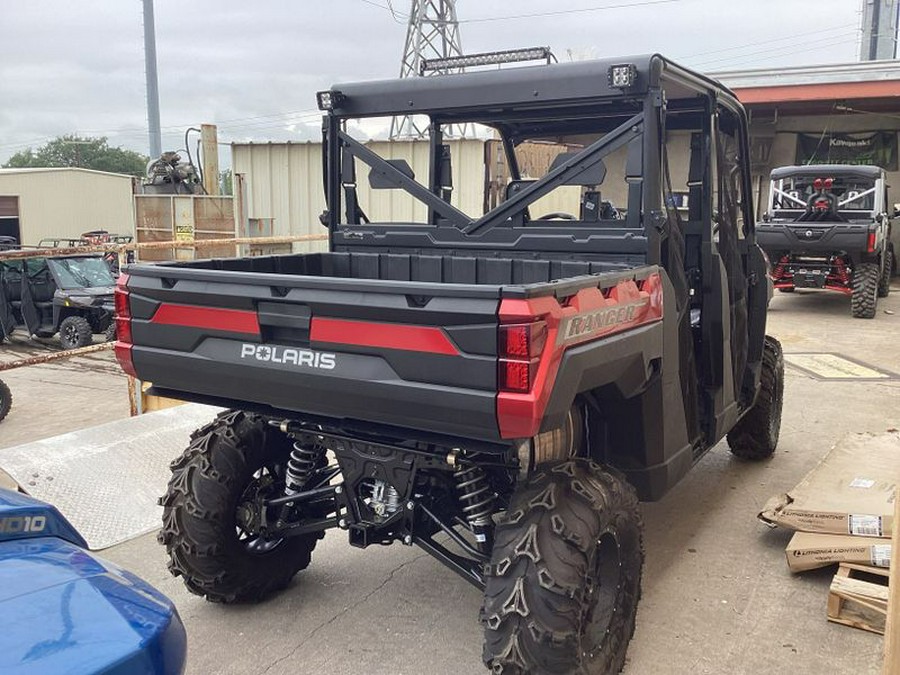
397, 353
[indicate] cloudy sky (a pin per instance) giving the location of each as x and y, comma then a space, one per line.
254, 67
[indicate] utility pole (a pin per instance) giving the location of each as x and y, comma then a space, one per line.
432, 33
209, 147
152, 80
879, 30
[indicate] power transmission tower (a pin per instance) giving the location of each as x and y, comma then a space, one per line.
432, 33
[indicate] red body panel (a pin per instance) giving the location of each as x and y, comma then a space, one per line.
590, 314
212, 318
381, 335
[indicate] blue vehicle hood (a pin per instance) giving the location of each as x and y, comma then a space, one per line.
23, 517
64, 610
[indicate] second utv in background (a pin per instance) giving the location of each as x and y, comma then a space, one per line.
828, 227
68, 295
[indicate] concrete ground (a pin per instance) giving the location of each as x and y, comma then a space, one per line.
717, 594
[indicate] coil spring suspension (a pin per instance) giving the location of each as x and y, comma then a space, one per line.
302, 464
477, 500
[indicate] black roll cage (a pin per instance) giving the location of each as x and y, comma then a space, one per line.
662, 91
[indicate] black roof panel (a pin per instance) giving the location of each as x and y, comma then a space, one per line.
826, 170
530, 86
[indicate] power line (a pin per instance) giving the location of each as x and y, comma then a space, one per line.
778, 53
25, 143
792, 36
390, 8
832, 40
290, 118
559, 12
180, 127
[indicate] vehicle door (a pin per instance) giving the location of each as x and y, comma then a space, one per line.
34, 279
7, 317
740, 258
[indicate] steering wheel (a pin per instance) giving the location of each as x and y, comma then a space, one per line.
558, 215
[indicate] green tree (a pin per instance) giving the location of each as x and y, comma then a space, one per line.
81, 151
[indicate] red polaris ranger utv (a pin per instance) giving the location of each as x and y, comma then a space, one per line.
495, 384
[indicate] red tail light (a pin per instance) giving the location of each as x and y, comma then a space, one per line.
870, 243
817, 184
523, 340
520, 346
517, 376
123, 311
123, 326
123, 306
828, 183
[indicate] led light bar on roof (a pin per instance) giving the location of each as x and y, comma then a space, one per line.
488, 59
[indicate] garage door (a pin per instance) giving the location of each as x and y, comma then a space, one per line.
9, 217
9, 207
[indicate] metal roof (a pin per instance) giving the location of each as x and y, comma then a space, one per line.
49, 169
800, 75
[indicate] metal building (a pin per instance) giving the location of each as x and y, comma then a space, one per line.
284, 194
63, 202
827, 114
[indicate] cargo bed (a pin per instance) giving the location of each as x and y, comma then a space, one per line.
400, 340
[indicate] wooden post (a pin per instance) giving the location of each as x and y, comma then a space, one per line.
892, 627
209, 144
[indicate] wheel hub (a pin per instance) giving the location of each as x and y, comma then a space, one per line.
248, 518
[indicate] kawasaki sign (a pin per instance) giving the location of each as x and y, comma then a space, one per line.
875, 149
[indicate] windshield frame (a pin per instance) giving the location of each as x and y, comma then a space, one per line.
62, 273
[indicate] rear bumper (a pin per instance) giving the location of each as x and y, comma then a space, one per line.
359, 387
811, 238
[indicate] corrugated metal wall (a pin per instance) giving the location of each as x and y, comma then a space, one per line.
67, 202
284, 183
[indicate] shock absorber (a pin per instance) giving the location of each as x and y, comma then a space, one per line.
302, 464
477, 501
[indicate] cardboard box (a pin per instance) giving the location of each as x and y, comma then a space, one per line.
851, 491
807, 551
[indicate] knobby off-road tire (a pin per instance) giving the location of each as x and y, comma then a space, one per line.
210, 481
5, 400
75, 332
865, 291
884, 283
564, 580
755, 436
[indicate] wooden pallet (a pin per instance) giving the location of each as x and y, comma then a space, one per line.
856, 602
892, 629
